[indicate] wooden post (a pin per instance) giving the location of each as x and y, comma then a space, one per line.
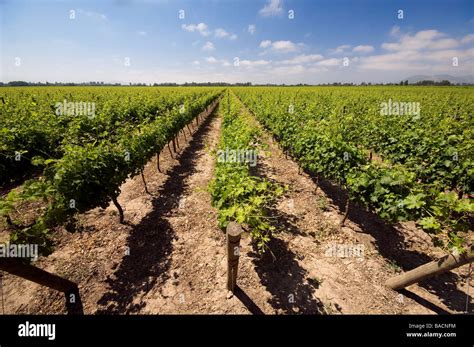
234, 233
431, 269
44, 278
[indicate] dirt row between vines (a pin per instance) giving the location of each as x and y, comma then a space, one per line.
170, 255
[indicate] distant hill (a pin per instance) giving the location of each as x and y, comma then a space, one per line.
437, 78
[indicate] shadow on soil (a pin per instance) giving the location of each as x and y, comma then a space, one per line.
279, 271
292, 292
247, 301
391, 244
150, 241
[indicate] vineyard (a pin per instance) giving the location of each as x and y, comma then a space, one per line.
84, 158
425, 170
146, 179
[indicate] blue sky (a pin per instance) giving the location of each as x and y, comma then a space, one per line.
234, 41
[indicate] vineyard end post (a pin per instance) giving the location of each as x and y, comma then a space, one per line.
234, 233
44, 278
433, 268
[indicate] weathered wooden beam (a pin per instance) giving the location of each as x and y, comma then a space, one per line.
44, 278
431, 269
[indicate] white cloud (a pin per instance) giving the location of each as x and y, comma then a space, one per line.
330, 62
265, 44
285, 46
201, 28
467, 39
211, 60
421, 60
272, 8
403, 60
252, 63
142, 33
363, 49
93, 15
208, 46
340, 49
425, 39
316, 69
444, 44
289, 70
302, 59
251, 29
196, 62
214, 61
280, 46
395, 31
221, 33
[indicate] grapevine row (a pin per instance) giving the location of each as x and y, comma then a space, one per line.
392, 191
237, 194
90, 175
38, 124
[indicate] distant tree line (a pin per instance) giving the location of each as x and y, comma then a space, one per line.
223, 84
186, 84
434, 83
169, 84
24, 83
